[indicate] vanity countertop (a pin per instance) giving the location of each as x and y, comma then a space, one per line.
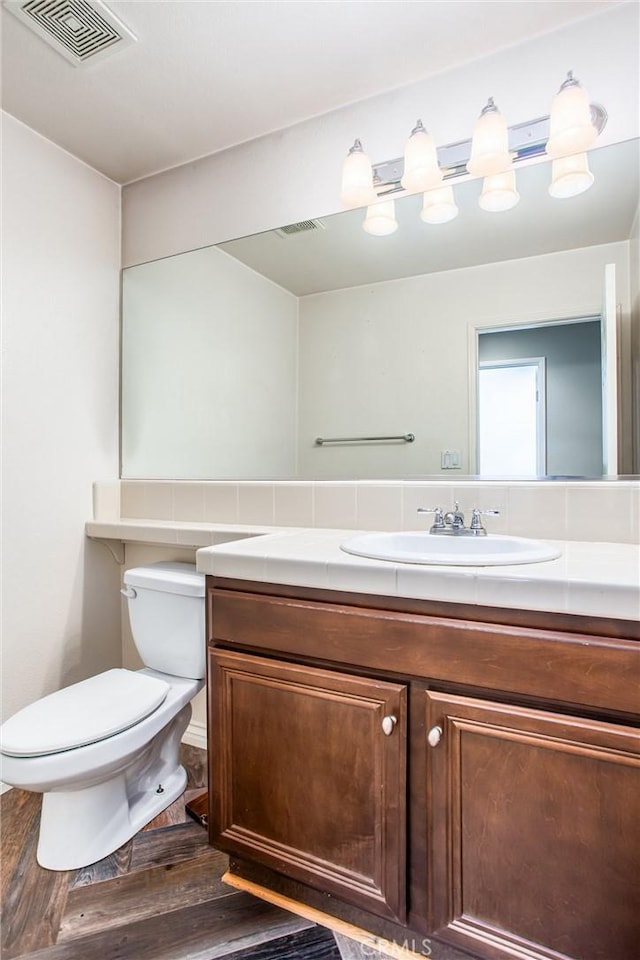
593, 579
170, 533
596, 579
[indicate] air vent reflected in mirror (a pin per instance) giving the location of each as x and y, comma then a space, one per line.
304, 226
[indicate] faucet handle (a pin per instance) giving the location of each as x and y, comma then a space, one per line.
476, 522
438, 523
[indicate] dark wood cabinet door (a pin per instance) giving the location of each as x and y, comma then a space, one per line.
308, 776
534, 832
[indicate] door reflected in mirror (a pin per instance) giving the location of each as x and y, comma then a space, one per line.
511, 418
540, 400
236, 357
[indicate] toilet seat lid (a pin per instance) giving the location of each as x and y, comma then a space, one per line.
83, 713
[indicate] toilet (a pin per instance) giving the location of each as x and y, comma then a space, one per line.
104, 752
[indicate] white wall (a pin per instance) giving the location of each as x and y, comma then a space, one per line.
393, 357
61, 249
294, 174
219, 394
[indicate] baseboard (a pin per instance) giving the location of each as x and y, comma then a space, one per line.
196, 735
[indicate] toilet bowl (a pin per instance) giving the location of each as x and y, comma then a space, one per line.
105, 752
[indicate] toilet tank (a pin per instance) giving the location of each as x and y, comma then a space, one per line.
166, 613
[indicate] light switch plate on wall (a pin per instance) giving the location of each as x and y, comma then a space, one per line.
450, 460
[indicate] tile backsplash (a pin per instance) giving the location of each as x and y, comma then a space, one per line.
604, 510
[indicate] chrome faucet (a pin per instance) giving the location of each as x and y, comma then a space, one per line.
451, 523
454, 519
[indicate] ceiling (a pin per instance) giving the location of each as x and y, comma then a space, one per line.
205, 75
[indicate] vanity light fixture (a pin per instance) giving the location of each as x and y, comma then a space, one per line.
499, 192
380, 220
493, 153
439, 206
357, 178
490, 158
489, 144
572, 130
421, 170
570, 176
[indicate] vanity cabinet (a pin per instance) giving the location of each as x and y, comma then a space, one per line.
427, 770
534, 830
310, 776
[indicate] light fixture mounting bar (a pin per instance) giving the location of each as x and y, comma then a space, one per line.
526, 140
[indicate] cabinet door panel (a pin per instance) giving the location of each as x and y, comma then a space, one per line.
535, 843
305, 780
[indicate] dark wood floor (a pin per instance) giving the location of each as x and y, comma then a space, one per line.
159, 897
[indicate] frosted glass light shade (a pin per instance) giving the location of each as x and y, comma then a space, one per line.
439, 206
490, 143
357, 178
571, 128
499, 192
570, 176
421, 170
380, 220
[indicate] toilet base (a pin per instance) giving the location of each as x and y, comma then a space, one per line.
79, 827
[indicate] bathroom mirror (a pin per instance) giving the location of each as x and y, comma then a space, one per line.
236, 358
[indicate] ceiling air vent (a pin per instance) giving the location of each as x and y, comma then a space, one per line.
80, 31
304, 226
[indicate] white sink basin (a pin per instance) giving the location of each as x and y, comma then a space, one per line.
422, 547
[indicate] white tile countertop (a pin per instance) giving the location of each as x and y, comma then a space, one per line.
182, 533
593, 579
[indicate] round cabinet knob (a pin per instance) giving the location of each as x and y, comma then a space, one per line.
434, 736
388, 723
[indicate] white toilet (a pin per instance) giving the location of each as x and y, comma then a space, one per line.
104, 752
